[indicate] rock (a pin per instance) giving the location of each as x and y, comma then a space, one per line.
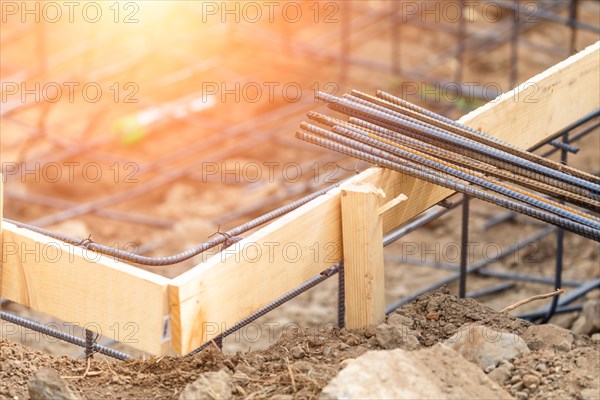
589, 319
297, 352
590, 394
246, 369
596, 337
436, 372
449, 329
303, 366
343, 346
47, 384
503, 373
541, 367
521, 396
394, 336
485, 346
209, 386
239, 378
399, 320
551, 336
531, 381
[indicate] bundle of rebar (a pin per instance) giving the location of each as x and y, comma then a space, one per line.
393, 133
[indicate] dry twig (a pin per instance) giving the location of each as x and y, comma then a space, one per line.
557, 292
287, 363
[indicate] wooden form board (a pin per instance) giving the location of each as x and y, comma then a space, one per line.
84, 288
217, 293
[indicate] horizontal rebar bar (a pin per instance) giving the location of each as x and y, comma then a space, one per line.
26, 323
111, 214
472, 268
187, 254
531, 316
485, 271
572, 295
490, 290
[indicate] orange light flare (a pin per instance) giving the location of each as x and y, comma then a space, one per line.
152, 61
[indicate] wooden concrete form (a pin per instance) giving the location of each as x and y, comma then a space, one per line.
85, 288
227, 287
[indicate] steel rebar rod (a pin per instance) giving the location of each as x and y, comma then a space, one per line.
560, 244
388, 239
485, 272
400, 156
566, 299
464, 248
271, 306
472, 268
440, 135
26, 323
494, 166
366, 128
111, 214
187, 254
393, 103
576, 137
490, 290
474, 168
532, 316
430, 176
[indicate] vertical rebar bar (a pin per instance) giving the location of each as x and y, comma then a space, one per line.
464, 248
460, 48
514, 52
560, 238
572, 23
89, 343
341, 297
395, 42
345, 29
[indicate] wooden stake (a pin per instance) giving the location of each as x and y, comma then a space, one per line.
362, 233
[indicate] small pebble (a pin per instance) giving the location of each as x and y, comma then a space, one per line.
541, 367
521, 396
297, 352
343, 346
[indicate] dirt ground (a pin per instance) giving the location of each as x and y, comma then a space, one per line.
298, 342
303, 361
